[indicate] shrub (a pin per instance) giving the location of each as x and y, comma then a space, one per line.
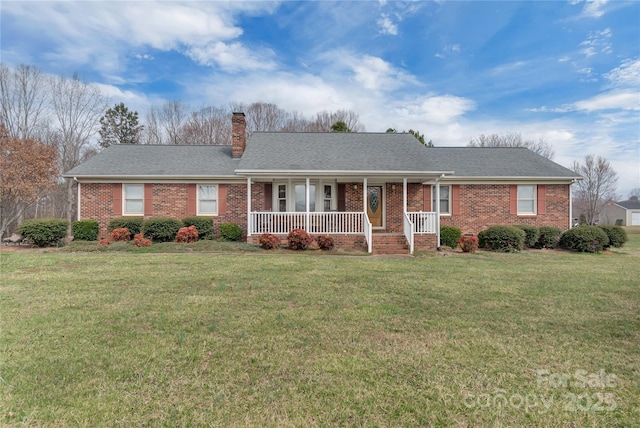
325, 242
104, 242
121, 234
584, 239
468, 243
502, 238
449, 236
230, 232
531, 235
140, 241
187, 234
43, 232
133, 224
203, 224
616, 234
85, 230
549, 237
299, 239
161, 229
268, 241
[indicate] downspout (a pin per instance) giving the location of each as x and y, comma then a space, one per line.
571, 203
248, 208
78, 214
438, 247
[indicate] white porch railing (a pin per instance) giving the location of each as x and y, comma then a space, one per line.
409, 231
344, 223
418, 223
425, 222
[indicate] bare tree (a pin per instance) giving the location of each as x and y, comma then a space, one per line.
598, 187
209, 125
24, 101
634, 193
151, 133
77, 108
325, 120
513, 140
172, 117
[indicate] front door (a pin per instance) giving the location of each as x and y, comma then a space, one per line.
374, 205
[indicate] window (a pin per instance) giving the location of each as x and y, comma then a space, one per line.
445, 200
526, 199
207, 199
301, 201
133, 199
282, 198
327, 197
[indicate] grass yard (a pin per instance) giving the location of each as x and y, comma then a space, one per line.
251, 339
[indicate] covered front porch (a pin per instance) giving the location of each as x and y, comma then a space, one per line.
351, 209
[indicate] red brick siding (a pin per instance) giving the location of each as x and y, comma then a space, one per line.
353, 242
484, 205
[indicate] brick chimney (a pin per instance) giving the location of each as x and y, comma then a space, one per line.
238, 134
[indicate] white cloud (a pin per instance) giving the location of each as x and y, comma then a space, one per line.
387, 26
597, 42
622, 99
376, 74
231, 57
628, 74
433, 109
593, 8
87, 32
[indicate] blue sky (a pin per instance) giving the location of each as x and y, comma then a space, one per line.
565, 71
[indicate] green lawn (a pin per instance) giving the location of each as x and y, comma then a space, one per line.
253, 339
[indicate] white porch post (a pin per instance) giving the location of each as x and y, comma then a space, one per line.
307, 192
438, 212
364, 195
404, 195
78, 200
248, 206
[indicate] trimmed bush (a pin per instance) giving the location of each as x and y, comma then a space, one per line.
85, 230
468, 243
449, 236
134, 225
325, 242
268, 241
616, 234
584, 239
140, 241
549, 237
187, 234
120, 234
502, 238
203, 224
230, 232
161, 229
299, 239
531, 235
44, 232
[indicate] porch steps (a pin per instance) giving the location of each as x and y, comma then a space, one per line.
390, 243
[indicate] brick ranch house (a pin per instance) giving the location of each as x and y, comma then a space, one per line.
381, 192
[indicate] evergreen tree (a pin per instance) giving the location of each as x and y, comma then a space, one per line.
119, 126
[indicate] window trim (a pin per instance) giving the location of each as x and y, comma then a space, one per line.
198, 198
125, 199
433, 199
534, 199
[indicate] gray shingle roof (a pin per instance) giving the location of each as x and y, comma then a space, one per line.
335, 151
630, 205
139, 160
272, 151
